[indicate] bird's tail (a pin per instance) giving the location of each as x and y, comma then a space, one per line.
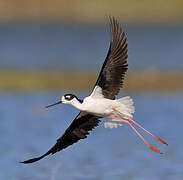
126, 105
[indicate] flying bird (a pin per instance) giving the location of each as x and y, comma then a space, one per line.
102, 102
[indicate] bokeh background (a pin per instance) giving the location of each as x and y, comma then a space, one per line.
49, 48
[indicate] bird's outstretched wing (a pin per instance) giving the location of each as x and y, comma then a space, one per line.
110, 80
79, 129
115, 65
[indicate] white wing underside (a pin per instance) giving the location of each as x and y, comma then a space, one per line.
97, 92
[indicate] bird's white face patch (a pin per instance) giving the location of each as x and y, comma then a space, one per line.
67, 96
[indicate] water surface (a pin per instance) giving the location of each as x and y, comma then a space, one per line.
52, 45
27, 131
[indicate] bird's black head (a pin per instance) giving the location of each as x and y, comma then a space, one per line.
69, 97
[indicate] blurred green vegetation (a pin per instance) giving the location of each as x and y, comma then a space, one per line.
20, 80
89, 11
92, 10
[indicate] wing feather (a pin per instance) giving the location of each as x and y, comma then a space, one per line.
79, 129
110, 80
115, 65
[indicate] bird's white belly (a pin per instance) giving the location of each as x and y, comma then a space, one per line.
100, 107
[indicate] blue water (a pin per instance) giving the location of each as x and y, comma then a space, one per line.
55, 45
27, 131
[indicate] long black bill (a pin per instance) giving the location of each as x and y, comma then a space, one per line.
59, 102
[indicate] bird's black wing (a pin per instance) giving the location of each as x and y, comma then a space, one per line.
79, 129
115, 65
110, 80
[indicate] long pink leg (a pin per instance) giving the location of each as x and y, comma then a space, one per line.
127, 122
141, 127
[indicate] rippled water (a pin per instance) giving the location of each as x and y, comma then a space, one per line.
27, 131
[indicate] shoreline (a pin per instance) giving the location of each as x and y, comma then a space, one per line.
50, 80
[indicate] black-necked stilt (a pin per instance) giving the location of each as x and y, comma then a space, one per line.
102, 103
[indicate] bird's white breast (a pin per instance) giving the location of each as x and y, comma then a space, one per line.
98, 106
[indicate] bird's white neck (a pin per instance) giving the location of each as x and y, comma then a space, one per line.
77, 104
